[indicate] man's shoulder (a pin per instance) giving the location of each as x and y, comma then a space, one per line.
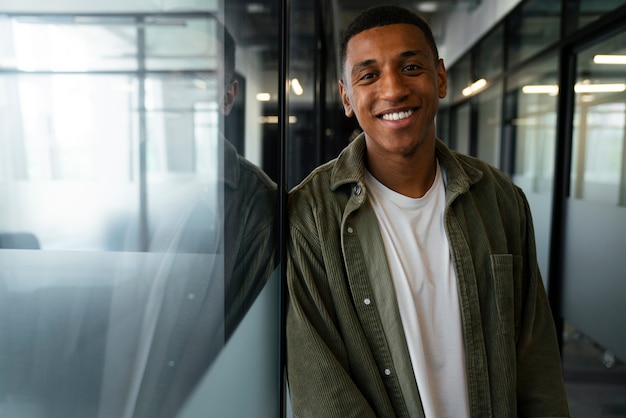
320, 177
314, 191
490, 173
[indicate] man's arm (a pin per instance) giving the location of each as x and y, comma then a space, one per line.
320, 381
540, 387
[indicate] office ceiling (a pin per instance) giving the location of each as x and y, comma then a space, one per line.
254, 23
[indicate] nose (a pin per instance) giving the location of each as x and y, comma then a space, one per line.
393, 86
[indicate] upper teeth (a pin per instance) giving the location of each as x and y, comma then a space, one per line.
397, 115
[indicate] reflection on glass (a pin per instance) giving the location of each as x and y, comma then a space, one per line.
599, 152
489, 55
68, 43
461, 130
533, 27
591, 10
533, 125
489, 109
531, 130
134, 237
459, 77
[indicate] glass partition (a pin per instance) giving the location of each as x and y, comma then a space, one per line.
489, 110
138, 224
531, 109
591, 10
534, 26
594, 283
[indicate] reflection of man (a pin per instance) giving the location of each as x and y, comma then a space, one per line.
413, 283
226, 251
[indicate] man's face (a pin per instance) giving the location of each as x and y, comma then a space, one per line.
392, 84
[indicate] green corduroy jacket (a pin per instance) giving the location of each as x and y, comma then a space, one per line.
346, 351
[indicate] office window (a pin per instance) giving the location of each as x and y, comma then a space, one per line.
591, 10
534, 26
489, 110
599, 150
489, 55
460, 128
135, 236
530, 130
459, 77
532, 120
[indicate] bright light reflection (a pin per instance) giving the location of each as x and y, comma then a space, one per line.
553, 89
297, 87
48, 47
263, 97
475, 87
610, 59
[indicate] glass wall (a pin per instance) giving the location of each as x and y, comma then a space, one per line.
594, 289
489, 110
138, 227
562, 139
531, 132
534, 26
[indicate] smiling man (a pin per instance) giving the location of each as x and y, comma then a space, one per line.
413, 283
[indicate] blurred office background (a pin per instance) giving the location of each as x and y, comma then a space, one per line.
110, 119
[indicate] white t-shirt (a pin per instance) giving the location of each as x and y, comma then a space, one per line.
418, 254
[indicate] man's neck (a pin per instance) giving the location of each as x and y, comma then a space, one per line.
410, 175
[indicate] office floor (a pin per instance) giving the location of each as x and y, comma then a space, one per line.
595, 380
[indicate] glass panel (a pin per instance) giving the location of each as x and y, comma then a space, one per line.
594, 285
134, 235
591, 10
489, 108
459, 77
460, 120
533, 27
533, 122
489, 54
531, 129
599, 153
68, 43
174, 43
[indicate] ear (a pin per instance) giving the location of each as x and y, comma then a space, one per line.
442, 79
230, 93
345, 99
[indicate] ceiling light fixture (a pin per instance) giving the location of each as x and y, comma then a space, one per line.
553, 89
263, 97
475, 87
609, 59
296, 87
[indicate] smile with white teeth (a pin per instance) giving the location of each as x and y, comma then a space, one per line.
397, 115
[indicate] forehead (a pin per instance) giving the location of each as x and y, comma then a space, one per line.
384, 40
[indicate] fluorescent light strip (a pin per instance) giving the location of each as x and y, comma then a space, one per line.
475, 87
599, 88
610, 59
553, 89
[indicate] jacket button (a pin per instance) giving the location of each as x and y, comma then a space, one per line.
350, 230
367, 301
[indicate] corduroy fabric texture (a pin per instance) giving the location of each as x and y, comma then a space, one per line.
346, 351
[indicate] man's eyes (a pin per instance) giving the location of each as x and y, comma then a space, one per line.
412, 67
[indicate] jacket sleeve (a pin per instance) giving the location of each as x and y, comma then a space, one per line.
318, 371
540, 386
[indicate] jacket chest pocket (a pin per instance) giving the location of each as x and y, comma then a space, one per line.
506, 272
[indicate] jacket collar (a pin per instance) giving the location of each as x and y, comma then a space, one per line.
230, 174
350, 166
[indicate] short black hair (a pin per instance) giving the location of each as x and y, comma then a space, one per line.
382, 16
